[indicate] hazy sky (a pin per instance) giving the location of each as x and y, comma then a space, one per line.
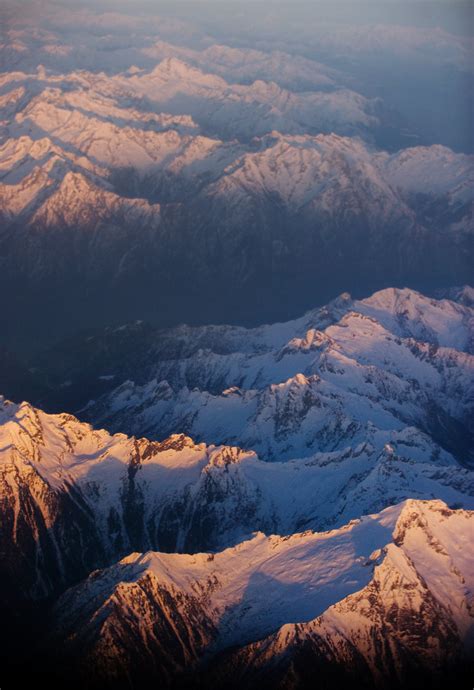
456, 16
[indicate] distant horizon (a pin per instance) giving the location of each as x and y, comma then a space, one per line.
456, 16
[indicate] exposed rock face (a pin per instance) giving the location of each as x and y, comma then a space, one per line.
411, 618
333, 378
74, 499
406, 626
377, 409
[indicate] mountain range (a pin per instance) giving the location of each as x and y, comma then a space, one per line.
254, 565
159, 181
338, 376
236, 345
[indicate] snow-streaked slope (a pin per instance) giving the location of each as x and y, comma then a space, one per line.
339, 176
74, 499
83, 112
331, 179
304, 170
32, 170
247, 111
430, 170
407, 570
326, 567
68, 495
292, 72
77, 202
393, 360
227, 109
118, 137
413, 620
322, 173
287, 200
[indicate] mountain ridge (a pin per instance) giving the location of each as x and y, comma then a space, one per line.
396, 589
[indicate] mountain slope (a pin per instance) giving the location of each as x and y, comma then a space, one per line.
393, 360
412, 622
74, 499
406, 571
257, 189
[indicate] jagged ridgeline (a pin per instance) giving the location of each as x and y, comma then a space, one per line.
384, 597
394, 368
173, 194
378, 425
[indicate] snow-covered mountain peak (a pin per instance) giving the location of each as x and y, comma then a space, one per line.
338, 376
177, 442
78, 203
411, 314
415, 612
223, 456
431, 170
313, 340
248, 65
302, 169
416, 514
172, 68
356, 577
21, 421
